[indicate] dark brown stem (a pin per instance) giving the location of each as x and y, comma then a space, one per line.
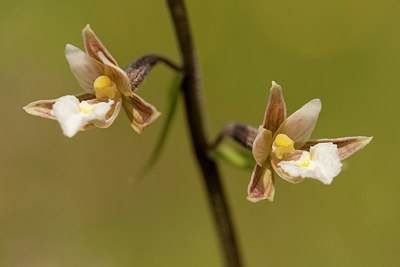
195, 115
138, 70
241, 133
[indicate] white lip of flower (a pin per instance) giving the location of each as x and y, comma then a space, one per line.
321, 163
74, 115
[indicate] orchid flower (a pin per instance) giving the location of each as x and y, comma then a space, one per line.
282, 146
107, 88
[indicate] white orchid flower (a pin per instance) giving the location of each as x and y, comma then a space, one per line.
107, 88
282, 146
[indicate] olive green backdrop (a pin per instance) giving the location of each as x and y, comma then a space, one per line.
74, 202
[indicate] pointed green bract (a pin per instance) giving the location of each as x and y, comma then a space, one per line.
169, 116
234, 156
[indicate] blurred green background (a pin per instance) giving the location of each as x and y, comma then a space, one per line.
74, 202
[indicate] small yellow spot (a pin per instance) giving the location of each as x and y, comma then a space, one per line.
105, 87
282, 145
86, 109
305, 163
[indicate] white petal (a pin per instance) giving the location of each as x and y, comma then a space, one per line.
85, 68
321, 163
68, 112
99, 112
107, 123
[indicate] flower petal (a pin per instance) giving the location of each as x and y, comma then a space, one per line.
275, 112
110, 117
300, 125
93, 45
262, 146
321, 163
43, 108
117, 75
73, 115
347, 145
139, 112
261, 184
84, 68
291, 179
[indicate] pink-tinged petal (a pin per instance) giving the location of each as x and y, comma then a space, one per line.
140, 113
300, 125
291, 179
261, 184
84, 68
275, 112
262, 146
43, 108
93, 45
347, 145
117, 75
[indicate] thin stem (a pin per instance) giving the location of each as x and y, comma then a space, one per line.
241, 133
140, 68
195, 116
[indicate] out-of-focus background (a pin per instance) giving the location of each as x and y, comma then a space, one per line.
74, 202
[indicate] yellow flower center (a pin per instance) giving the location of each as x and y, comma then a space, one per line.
282, 145
105, 87
283, 140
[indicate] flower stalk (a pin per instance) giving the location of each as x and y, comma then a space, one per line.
192, 92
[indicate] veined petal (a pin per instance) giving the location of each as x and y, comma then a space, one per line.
84, 68
262, 146
43, 108
73, 115
275, 112
139, 112
275, 165
321, 163
93, 45
110, 117
261, 184
347, 145
300, 125
117, 75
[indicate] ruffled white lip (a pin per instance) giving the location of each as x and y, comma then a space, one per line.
73, 115
321, 163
